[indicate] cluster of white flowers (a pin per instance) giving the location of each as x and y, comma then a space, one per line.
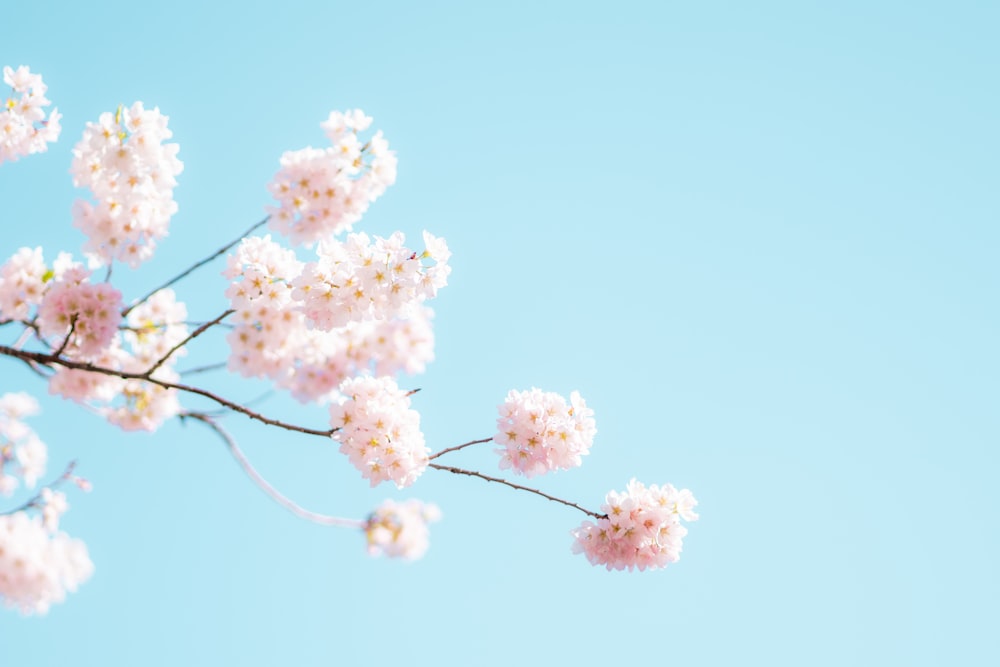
38, 565
130, 171
537, 431
399, 529
324, 191
642, 529
22, 283
23, 126
379, 432
364, 280
22, 453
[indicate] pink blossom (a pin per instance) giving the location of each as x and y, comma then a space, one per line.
89, 314
131, 172
399, 529
361, 279
324, 191
642, 528
23, 126
379, 432
538, 432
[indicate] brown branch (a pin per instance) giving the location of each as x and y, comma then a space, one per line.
458, 447
194, 334
473, 473
72, 328
264, 485
50, 360
221, 251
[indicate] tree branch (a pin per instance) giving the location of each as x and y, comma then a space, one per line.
194, 334
221, 251
473, 473
458, 447
264, 485
52, 360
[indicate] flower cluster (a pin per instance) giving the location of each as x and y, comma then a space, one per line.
22, 282
318, 361
38, 566
399, 530
538, 432
22, 453
379, 432
324, 191
642, 528
386, 331
82, 316
130, 171
364, 280
23, 126
152, 330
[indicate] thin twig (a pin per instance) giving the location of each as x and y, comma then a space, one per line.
194, 334
50, 360
72, 328
35, 501
458, 447
221, 251
473, 473
204, 369
264, 485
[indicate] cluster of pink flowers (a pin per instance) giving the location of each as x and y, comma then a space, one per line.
318, 361
23, 126
22, 453
364, 280
399, 529
87, 313
538, 431
153, 328
379, 432
642, 529
131, 172
386, 331
38, 565
324, 191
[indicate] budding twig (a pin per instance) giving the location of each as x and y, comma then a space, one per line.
473, 473
458, 447
221, 251
194, 334
264, 485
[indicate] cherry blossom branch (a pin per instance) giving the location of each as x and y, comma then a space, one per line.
263, 484
458, 447
221, 251
473, 473
51, 359
35, 501
194, 334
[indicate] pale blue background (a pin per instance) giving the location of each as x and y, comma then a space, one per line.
760, 239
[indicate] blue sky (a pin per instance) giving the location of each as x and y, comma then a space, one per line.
759, 239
